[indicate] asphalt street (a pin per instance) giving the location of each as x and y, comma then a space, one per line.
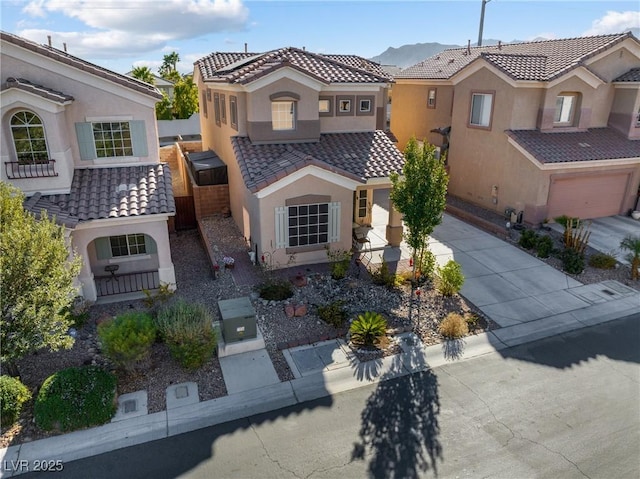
563, 407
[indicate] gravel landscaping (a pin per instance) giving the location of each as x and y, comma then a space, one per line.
196, 283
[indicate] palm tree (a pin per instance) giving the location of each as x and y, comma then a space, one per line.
169, 66
632, 243
144, 74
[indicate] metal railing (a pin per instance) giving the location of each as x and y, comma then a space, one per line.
16, 170
127, 283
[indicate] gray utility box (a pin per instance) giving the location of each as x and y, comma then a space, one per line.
238, 319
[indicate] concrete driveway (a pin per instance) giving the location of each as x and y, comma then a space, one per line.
608, 232
508, 285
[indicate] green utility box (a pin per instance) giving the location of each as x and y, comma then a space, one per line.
238, 319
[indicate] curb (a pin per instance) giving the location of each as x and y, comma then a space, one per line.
16, 460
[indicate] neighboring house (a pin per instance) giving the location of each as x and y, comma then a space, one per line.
303, 139
546, 128
81, 143
165, 86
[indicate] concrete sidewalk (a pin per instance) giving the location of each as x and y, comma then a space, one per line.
527, 298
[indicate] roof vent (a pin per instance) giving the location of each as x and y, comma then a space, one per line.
499, 44
451, 60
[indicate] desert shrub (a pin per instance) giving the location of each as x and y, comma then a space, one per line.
449, 278
276, 289
367, 328
544, 246
340, 260
472, 320
528, 239
572, 261
76, 398
382, 276
78, 312
127, 339
333, 313
602, 261
13, 394
632, 244
454, 326
188, 331
161, 296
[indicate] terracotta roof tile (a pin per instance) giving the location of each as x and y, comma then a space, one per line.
595, 144
78, 63
242, 68
40, 90
542, 60
359, 156
632, 75
100, 193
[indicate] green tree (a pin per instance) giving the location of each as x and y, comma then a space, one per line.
144, 74
164, 108
169, 70
185, 98
37, 274
420, 195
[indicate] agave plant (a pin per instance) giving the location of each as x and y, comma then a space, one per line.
632, 244
367, 328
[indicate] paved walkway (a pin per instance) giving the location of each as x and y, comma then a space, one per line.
528, 298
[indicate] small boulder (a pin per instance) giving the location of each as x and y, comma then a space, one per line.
301, 310
289, 310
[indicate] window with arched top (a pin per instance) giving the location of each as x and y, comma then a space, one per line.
29, 139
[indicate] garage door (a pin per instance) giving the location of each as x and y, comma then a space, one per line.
592, 196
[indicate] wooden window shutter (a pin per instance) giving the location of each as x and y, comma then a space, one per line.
86, 145
281, 227
139, 138
334, 222
103, 248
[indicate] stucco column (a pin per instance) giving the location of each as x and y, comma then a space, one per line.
85, 278
166, 271
394, 226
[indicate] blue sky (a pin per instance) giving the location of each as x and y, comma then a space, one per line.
119, 34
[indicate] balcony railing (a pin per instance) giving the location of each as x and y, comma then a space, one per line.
16, 170
127, 283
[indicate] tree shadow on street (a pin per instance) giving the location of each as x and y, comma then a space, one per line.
399, 435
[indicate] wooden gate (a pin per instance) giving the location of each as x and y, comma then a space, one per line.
185, 213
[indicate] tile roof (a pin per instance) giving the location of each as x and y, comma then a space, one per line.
44, 92
359, 156
541, 60
117, 192
36, 204
569, 147
632, 75
243, 68
78, 63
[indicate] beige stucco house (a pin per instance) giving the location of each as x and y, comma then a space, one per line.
545, 128
81, 142
303, 139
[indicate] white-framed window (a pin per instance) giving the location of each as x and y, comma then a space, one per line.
311, 224
565, 108
29, 139
364, 106
127, 245
431, 98
363, 199
324, 106
283, 115
112, 139
481, 108
344, 106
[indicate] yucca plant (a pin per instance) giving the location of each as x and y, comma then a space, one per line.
632, 244
367, 328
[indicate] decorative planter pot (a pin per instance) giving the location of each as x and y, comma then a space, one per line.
635, 215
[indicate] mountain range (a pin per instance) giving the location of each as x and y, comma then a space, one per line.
408, 55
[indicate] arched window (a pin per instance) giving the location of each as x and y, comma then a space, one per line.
29, 139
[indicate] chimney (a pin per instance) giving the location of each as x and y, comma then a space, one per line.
64, 45
499, 44
245, 47
49, 40
468, 47
304, 49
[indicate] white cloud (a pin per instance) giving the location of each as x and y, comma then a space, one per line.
120, 27
614, 22
177, 19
